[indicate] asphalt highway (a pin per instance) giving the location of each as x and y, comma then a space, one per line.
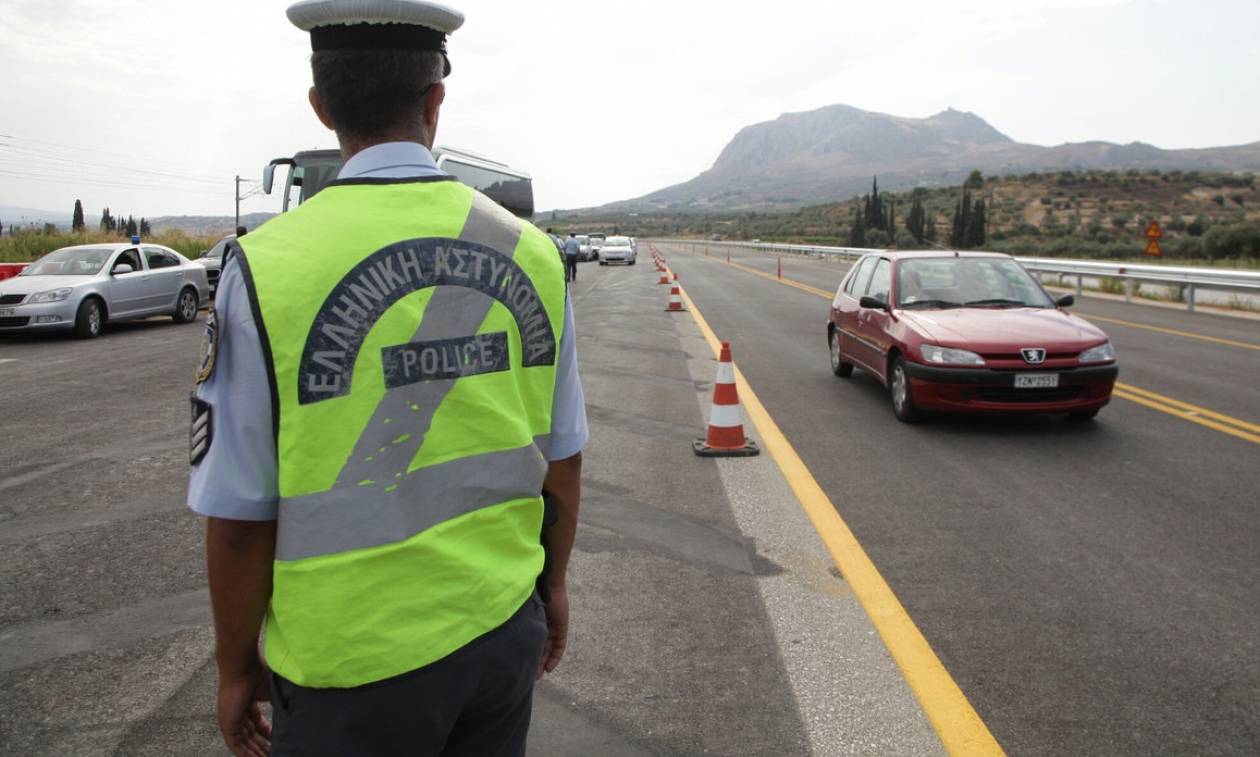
1092, 588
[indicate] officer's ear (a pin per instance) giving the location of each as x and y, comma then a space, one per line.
318, 107
432, 105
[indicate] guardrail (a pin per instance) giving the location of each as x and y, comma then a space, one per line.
1188, 280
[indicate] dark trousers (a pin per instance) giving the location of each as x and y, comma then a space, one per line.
475, 702
570, 267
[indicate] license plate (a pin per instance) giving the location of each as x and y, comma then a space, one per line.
1036, 380
4, 312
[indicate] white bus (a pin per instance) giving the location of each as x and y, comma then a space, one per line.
312, 170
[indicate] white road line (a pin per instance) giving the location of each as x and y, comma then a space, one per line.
8, 360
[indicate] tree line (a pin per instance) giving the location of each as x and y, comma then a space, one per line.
875, 219
129, 226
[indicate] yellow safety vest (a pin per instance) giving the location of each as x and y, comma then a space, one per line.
411, 329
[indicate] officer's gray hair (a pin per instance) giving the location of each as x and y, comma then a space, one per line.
375, 94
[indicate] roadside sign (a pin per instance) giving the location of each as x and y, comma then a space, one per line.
1152, 248
1153, 232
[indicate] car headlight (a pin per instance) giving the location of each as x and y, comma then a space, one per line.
53, 295
1103, 353
933, 353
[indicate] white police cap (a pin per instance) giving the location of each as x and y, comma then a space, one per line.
376, 24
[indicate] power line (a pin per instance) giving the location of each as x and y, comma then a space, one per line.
111, 153
28, 154
57, 179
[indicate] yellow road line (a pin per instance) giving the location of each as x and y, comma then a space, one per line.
1187, 416
790, 282
1174, 332
956, 722
1208, 418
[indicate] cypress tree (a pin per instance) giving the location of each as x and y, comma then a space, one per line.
929, 229
145, 229
891, 226
857, 234
914, 220
76, 222
955, 235
975, 227
132, 230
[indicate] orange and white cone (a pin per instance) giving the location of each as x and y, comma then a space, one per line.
726, 420
675, 300
664, 277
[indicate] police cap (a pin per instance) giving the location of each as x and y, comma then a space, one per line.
376, 24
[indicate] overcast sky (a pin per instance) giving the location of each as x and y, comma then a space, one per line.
152, 106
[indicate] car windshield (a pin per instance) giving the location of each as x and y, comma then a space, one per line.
583, 239
219, 247
967, 282
617, 242
71, 261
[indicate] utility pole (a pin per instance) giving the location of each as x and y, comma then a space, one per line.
238, 202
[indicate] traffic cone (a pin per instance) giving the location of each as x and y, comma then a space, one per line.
726, 420
675, 300
664, 277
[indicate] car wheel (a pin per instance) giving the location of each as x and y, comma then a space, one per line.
902, 393
633, 261
1084, 415
185, 307
838, 365
89, 319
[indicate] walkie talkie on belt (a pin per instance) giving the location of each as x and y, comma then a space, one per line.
551, 514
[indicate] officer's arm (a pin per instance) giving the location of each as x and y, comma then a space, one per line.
564, 484
239, 557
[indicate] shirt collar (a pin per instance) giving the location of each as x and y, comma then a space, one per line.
391, 160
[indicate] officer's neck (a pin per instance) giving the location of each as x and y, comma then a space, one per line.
351, 146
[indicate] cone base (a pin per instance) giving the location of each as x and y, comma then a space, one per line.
676, 310
702, 449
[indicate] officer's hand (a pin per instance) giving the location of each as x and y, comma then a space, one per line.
245, 731
557, 630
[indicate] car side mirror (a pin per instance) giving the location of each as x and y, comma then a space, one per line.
1066, 301
872, 303
121, 268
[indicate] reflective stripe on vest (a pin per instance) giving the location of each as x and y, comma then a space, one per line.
414, 371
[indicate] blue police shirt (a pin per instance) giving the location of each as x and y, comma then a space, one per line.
237, 477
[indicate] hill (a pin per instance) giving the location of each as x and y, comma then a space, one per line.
829, 154
1068, 213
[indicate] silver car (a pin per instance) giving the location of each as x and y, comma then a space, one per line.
85, 286
212, 261
617, 250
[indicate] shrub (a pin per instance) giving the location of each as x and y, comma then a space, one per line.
1236, 241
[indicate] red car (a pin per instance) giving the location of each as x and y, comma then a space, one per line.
967, 332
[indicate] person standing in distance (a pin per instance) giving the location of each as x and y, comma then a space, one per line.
387, 387
571, 249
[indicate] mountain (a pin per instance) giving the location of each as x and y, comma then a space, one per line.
22, 217
208, 225
831, 154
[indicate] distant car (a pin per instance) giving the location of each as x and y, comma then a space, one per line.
967, 332
212, 261
584, 248
617, 250
597, 243
84, 287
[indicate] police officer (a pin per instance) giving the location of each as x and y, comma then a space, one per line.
571, 249
387, 384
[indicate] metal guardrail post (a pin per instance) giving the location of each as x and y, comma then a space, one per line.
1128, 290
1190, 298
1080, 285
